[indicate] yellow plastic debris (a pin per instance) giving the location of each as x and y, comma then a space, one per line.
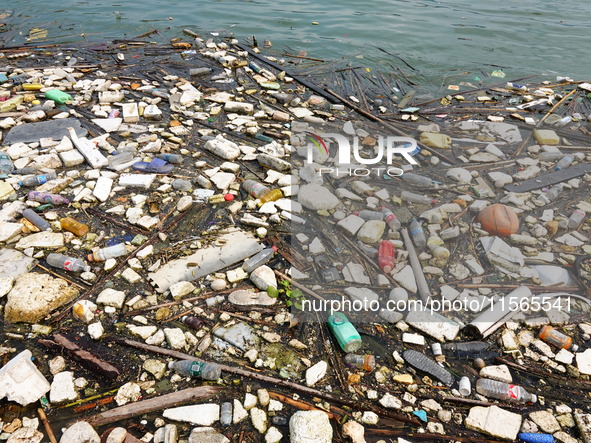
546, 137
435, 140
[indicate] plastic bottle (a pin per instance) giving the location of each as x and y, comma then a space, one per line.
564, 162
75, 227
273, 195
504, 391
550, 156
58, 96
6, 164
467, 346
259, 259
46, 197
226, 414
254, 188
36, 219
391, 219
345, 333
576, 219
65, 262
386, 255
419, 180
171, 158
22, 171
37, 180
423, 363
417, 234
557, 338
553, 193
200, 71
366, 362
192, 322
119, 159
437, 247
416, 198
109, 252
206, 371
370, 215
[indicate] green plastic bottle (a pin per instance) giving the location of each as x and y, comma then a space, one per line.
58, 96
346, 334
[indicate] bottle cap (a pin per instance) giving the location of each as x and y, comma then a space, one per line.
387, 269
274, 248
534, 398
229, 197
574, 348
87, 268
170, 364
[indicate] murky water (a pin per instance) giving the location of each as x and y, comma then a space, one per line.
439, 38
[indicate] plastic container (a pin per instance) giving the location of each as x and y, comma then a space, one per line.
347, 336
200, 71
206, 371
273, 195
171, 158
37, 180
417, 198
255, 189
391, 219
557, 338
36, 219
46, 197
504, 391
419, 180
226, 414
550, 156
68, 263
108, 252
365, 362
6, 165
437, 248
193, 322
73, 226
465, 386
259, 259
386, 254
553, 193
22, 171
370, 215
417, 234
564, 162
576, 219
58, 96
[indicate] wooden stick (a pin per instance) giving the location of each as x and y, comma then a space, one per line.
274, 381
47, 425
556, 106
85, 358
334, 414
153, 404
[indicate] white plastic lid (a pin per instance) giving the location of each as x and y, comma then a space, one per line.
534, 398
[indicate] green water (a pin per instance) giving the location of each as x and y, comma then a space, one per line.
439, 38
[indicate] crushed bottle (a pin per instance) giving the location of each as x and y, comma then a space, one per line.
206, 371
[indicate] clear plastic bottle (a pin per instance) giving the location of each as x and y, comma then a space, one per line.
37, 180
108, 252
557, 338
119, 159
564, 162
206, 371
46, 197
171, 158
345, 333
391, 219
73, 226
576, 219
437, 247
259, 259
255, 189
417, 234
504, 391
386, 255
366, 362
419, 180
65, 262
226, 414
553, 193
36, 219
23, 171
6, 165
273, 195
417, 198
370, 215
550, 156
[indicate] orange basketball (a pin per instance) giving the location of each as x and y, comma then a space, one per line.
499, 220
